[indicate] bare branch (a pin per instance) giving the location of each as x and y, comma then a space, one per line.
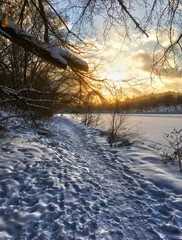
132, 18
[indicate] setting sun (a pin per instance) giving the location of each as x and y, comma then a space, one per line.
115, 71
116, 75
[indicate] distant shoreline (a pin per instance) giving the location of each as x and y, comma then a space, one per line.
134, 112
129, 113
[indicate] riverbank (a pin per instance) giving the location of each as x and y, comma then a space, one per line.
177, 109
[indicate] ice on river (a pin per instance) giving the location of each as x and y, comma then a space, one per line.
67, 183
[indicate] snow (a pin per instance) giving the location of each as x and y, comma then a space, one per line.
66, 57
11, 24
65, 182
151, 127
55, 52
70, 57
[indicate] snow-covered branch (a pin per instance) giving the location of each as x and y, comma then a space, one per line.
24, 90
14, 95
57, 56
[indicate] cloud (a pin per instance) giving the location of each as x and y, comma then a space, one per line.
143, 60
170, 73
162, 35
118, 61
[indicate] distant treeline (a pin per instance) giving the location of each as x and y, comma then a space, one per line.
167, 99
144, 102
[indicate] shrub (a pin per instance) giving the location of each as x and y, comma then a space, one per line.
173, 152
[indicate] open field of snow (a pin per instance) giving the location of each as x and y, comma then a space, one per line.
151, 126
154, 126
67, 183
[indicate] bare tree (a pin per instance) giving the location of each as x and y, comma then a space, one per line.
65, 24
120, 15
27, 83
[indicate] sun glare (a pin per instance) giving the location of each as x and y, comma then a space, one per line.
116, 73
116, 76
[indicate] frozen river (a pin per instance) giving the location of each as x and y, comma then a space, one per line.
154, 126
151, 126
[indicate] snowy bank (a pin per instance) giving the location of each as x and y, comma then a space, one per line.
177, 109
67, 183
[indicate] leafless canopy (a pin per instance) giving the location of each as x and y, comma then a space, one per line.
68, 21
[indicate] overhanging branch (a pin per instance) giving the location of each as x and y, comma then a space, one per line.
131, 17
52, 54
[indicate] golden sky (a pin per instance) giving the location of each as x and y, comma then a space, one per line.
132, 60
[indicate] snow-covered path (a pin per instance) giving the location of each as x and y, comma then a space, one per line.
71, 185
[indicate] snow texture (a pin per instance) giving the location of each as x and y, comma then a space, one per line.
70, 57
55, 53
67, 183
